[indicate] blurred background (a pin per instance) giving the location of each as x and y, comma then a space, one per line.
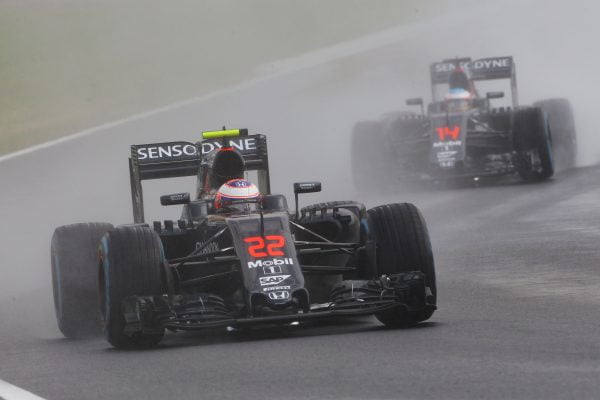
67, 65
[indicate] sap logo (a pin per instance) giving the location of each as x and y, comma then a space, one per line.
279, 295
491, 63
445, 131
269, 263
444, 155
272, 280
240, 144
176, 150
272, 288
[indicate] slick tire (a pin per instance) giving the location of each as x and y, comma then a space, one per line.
370, 165
131, 263
562, 125
532, 137
74, 260
403, 245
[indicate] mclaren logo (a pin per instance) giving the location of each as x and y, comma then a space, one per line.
270, 263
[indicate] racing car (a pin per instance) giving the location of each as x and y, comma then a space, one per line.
237, 257
461, 135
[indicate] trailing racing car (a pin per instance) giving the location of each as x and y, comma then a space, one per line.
238, 256
462, 136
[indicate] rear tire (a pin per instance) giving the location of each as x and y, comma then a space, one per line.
131, 263
370, 165
408, 144
532, 137
74, 259
403, 245
562, 124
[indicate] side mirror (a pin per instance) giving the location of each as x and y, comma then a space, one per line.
494, 95
174, 199
305, 187
417, 101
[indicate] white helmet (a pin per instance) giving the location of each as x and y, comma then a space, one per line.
236, 191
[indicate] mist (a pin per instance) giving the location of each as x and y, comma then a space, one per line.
307, 105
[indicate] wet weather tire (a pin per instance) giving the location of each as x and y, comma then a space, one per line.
131, 263
370, 165
532, 137
403, 245
562, 125
74, 259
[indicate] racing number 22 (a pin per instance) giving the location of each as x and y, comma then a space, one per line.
259, 248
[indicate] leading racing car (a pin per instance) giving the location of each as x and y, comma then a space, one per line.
238, 256
462, 136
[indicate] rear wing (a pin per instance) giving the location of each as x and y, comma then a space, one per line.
479, 70
178, 159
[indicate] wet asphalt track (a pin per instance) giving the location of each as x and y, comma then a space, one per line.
519, 295
518, 266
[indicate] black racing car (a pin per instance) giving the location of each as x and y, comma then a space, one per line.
261, 265
462, 136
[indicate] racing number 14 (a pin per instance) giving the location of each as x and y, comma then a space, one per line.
445, 131
259, 248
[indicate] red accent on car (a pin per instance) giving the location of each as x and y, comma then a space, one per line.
445, 132
257, 247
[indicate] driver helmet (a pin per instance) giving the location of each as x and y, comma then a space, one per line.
237, 195
460, 86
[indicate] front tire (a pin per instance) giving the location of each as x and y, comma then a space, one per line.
74, 259
403, 245
131, 264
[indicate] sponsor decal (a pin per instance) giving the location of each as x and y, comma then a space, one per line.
483, 64
447, 132
185, 150
243, 144
259, 247
443, 155
272, 288
447, 144
281, 295
270, 263
210, 248
273, 269
449, 67
490, 63
167, 150
272, 280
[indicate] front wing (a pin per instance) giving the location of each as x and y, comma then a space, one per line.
406, 292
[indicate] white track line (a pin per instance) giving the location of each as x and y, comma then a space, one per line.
12, 392
283, 67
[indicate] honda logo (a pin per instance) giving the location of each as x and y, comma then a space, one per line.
281, 295
273, 269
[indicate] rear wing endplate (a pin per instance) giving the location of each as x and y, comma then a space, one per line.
179, 159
